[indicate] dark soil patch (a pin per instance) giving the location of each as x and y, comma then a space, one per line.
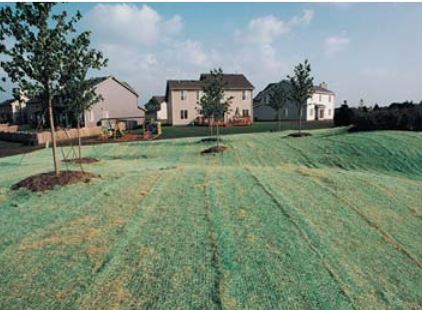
214, 150
83, 160
47, 181
298, 135
207, 140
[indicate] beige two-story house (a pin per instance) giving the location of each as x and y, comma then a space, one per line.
183, 97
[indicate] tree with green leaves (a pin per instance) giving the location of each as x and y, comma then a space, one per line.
214, 105
278, 99
301, 88
39, 49
78, 93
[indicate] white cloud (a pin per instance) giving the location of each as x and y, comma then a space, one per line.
190, 52
131, 23
174, 25
304, 20
336, 44
265, 29
262, 30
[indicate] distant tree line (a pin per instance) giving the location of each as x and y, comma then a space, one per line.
397, 116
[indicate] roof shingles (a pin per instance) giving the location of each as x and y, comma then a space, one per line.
231, 81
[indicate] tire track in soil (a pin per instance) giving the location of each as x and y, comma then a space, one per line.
386, 236
215, 255
307, 240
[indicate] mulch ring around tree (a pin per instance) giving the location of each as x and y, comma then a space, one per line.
207, 140
214, 150
47, 181
298, 135
83, 160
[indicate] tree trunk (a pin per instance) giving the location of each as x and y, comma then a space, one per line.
218, 136
279, 119
79, 139
79, 144
53, 134
211, 120
300, 121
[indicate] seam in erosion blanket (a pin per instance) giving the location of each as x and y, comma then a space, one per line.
307, 240
386, 236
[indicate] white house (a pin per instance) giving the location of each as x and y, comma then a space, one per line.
320, 106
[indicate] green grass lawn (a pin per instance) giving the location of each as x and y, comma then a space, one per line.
171, 132
331, 221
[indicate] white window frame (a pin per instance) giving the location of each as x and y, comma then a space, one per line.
90, 115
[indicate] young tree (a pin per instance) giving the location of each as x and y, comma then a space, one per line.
279, 98
301, 88
78, 93
38, 52
213, 103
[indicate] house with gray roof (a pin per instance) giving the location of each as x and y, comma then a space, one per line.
119, 101
183, 97
320, 107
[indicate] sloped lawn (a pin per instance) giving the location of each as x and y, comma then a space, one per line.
329, 221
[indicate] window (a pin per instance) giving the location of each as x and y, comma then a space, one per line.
183, 95
91, 116
183, 114
244, 95
329, 98
245, 113
320, 97
311, 112
197, 95
237, 111
321, 113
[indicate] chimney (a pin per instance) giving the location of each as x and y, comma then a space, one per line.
323, 85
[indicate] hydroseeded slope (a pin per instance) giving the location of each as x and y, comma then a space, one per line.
331, 221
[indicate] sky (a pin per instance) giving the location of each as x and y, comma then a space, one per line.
369, 51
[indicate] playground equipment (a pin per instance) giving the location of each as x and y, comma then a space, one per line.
117, 131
